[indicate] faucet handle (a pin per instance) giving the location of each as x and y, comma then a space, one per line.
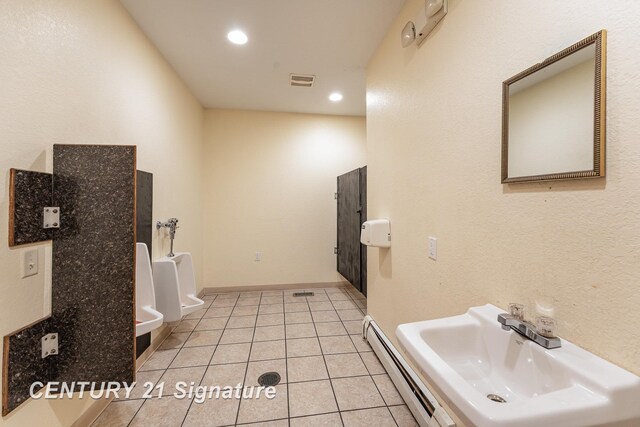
546, 326
516, 311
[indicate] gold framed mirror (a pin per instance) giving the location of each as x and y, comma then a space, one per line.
553, 116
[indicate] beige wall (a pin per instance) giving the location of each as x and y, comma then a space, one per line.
269, 185
433, 125
81, 72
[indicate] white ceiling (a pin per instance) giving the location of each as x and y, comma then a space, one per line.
333, 39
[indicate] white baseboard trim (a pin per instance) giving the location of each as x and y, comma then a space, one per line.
426, 410
92, 413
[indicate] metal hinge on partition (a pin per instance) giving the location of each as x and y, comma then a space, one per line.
335, 250
335, 196
49, 345
51, 217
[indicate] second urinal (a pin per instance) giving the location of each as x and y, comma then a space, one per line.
175, 284
147, 317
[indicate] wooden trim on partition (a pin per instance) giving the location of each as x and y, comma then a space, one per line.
12, 206
5, 375
5, 364
135, 254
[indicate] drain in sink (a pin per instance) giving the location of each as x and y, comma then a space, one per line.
496, 398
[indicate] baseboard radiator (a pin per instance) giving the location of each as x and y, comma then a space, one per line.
422, 404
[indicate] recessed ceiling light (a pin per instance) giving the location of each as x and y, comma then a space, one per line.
335, 97
237, 37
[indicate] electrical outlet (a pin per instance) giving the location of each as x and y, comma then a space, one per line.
258, 256
433, 248
29, 262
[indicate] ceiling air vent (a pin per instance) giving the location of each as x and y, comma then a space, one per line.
301, 80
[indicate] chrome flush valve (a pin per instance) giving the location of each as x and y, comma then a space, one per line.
172, 225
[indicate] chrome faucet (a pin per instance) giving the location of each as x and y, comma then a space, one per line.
507, 321
172, 225
515, 321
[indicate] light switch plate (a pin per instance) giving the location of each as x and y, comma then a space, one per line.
258, 256
433, 248
29, 262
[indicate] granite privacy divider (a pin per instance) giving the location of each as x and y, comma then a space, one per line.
93, 275
29, 193
144, 232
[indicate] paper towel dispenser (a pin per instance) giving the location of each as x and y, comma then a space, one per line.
376, 232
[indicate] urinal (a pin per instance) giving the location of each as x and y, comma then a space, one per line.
175, 285
147, 317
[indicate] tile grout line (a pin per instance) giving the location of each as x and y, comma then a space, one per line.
246, 370
365, 366
186, 414
343, 291
374, 383
335, 398
286, 361
292, 382
376, 386
338, 412
349, 334
132, 418
165, 370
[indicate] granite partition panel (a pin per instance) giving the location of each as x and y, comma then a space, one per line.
144, 231
144, 208
93, 277
29, 193
23, 348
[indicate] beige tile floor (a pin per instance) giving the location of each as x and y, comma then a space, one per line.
330, 376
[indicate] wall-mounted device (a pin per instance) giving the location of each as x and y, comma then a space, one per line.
376, 232
424, 22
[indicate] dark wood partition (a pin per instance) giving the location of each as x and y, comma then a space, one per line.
351, 213
363, 217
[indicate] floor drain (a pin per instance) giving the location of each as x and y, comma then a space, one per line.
496, 398
269, 379
303, 294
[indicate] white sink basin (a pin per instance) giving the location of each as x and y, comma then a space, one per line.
468, 357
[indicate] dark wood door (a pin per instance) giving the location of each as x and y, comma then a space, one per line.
363, 218
351, 259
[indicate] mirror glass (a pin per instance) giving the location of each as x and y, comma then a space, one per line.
553, 117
